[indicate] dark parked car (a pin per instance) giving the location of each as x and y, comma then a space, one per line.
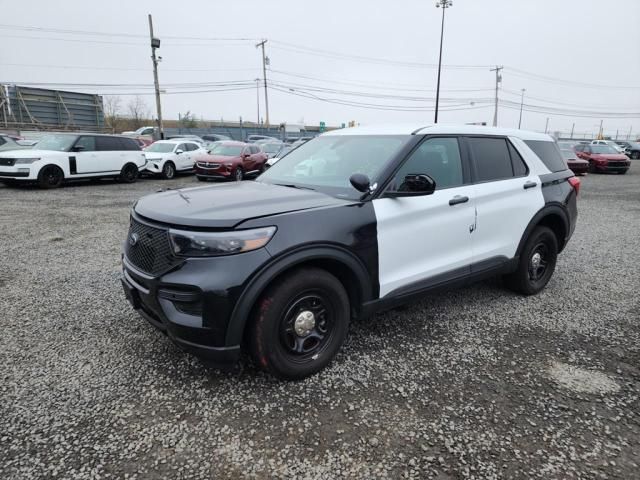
575, 164
631, 149
603, 158
231, 160
214, 137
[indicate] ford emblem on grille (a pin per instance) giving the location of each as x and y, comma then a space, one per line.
133, 239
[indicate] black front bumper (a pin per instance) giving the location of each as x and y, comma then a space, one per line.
153, 302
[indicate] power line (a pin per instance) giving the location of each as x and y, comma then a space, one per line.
127, 69
543, 78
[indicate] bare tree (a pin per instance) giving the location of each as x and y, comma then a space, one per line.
138, 112
112, 105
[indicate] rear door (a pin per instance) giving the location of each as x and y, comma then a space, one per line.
423, 240
111, 156
507, 195
182, 159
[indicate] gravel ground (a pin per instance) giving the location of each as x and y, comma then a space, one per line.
473, 383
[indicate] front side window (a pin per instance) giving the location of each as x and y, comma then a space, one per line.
191, 147
254, 149
437, 157
326, 163
492, 159
182, 147
227, 150
88, 144
58, 143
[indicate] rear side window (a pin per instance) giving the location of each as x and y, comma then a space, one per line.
128, 144
492, 158
519, 167
549, 153
108, 144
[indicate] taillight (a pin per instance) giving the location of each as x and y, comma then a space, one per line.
575, 183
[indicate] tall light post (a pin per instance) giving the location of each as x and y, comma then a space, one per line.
444, 4
521, 104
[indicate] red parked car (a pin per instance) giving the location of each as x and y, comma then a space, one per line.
603, 158
575, 164
231, 160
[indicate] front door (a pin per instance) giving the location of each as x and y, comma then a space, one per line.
426, 239
84, 157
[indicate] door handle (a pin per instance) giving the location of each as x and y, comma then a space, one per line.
529, 185
458, 199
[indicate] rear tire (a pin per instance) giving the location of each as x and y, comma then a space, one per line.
299, 324
592, 167
537, 263
635, 155
50, 176
168, 171
202, 179
129, 173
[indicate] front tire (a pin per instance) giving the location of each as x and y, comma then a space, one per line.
168, 171
537, 263
238, 175
50, 176
635, 155
299, 324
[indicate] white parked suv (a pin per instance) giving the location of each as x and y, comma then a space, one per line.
166, 157
69, 156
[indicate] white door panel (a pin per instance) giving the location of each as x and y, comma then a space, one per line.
419, 237
86, 162
504, 210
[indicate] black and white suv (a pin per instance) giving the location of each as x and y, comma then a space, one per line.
64, 156
352, 222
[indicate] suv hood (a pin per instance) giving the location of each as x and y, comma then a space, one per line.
608, 156
30, 153
226, 206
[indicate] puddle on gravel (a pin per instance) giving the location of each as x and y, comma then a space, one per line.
581, 380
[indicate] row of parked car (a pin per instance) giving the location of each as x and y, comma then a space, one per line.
599, 155
61, 157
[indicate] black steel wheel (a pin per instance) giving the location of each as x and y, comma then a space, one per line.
50, 176
299, 324
537, 262
168, 170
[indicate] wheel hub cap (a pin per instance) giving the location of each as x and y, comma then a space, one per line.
304, 323
536, 259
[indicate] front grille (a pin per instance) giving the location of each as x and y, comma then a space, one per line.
617, 164
208, 165
7, 162
150, 252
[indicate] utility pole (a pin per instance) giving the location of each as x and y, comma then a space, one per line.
521, 104
629, 136
600, 131
155, 43
572, 128
444, 4
258, 99
498, 80
546, 127
616, 133
264, 76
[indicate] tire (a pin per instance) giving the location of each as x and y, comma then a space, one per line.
592, 167
279, 340
238, 175
50, 176
635, 155
202, 179
129, 173
533, 273
168, 171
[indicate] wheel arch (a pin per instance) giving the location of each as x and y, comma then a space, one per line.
552, 216
344, 265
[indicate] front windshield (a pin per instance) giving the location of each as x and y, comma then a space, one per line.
227, 150
160, 147
58, 143
327, 163
603, 149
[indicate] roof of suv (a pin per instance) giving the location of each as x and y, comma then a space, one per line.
411, 129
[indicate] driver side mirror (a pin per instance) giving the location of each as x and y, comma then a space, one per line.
414, 185
78, 148
178, 152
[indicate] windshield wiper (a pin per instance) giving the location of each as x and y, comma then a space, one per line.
292, 185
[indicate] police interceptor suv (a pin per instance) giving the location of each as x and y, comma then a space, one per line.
354, 221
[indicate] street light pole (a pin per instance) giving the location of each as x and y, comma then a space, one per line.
521, 104
444, 4
155, 43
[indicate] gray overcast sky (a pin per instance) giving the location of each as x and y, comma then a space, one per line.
584, 43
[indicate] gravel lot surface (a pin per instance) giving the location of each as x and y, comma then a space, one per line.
473, 383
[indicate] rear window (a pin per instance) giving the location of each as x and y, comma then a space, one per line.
549, 153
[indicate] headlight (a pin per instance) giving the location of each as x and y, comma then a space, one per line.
25, 161
210, 244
